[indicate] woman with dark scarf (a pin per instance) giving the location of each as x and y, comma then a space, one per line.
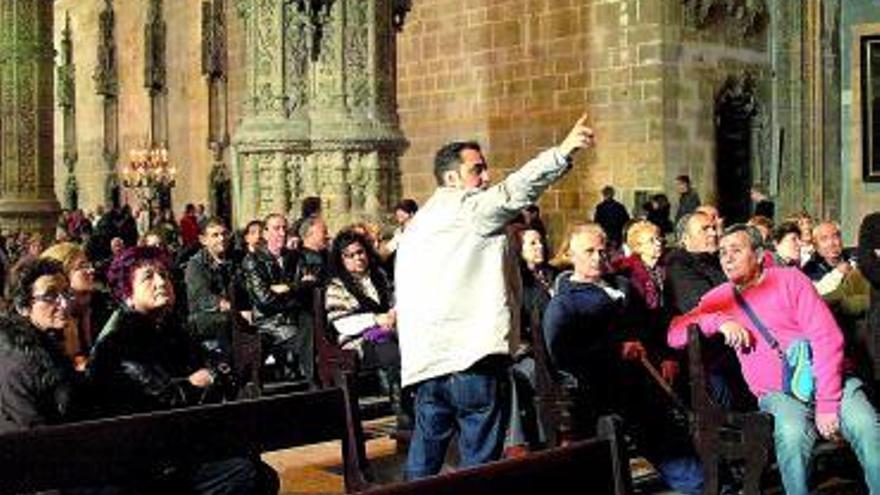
646, 276
360, 305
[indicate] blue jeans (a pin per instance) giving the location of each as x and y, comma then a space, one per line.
794, 434
473, 402
683, 474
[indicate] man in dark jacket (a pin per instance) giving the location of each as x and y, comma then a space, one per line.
36, 378
277, 298
208, 278
612, 216
591, 338
692, 270
313, 253
868, 255
688, 199
144, 361
763, 206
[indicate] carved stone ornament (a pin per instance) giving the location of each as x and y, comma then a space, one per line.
65, 71
317, 12
322, 117
105, 75
739, 92
401, 9
27, 65
747, 17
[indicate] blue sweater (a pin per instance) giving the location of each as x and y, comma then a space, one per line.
584, 327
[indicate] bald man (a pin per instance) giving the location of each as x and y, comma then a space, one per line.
590, 327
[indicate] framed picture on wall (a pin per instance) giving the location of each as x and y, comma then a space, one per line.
870, 86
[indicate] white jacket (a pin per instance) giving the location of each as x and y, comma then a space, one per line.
454, 282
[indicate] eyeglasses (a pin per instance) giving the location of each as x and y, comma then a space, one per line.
53, 297
354, 254
84, 267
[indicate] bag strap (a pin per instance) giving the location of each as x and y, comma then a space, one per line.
765, 332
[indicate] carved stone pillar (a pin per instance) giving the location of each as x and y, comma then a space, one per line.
154, 73
67, 103
27, 196
321, 108
805, 54
215, 70
155, 81
107, 86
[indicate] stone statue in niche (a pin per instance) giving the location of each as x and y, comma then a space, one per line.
105, 69
154, 49
400, 9
747, 17
736, 115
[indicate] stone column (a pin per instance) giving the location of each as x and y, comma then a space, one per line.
106, 79
321, 110
27, 196
66, 95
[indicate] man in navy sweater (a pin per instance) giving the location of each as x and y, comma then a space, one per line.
593, 338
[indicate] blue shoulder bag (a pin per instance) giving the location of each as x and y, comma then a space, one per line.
797, 360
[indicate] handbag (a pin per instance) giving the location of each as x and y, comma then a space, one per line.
797, 361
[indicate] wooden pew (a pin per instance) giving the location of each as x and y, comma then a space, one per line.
594, 466
553, 400
115, 450
724, 435
742, 436
334, 362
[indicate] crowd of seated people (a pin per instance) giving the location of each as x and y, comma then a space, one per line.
113, 320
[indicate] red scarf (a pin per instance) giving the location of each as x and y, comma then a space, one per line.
648, 282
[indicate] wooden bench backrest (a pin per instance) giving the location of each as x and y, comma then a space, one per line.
724, 435
111, 450
594, 466
553, 400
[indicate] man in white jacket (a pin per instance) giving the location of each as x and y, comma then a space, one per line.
455, 300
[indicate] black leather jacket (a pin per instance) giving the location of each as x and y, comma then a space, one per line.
688, 277
140, 364
274, 313
36, 379
206, 282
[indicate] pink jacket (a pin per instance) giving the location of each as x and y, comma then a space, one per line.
789, 306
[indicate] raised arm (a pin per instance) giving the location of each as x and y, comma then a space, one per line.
500, 203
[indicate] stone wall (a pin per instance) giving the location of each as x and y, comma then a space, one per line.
348, 130
701, 59
512, 75
515, 74
860, 197
187, 96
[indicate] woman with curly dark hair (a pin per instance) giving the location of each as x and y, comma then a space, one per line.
36, 379
360, 305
